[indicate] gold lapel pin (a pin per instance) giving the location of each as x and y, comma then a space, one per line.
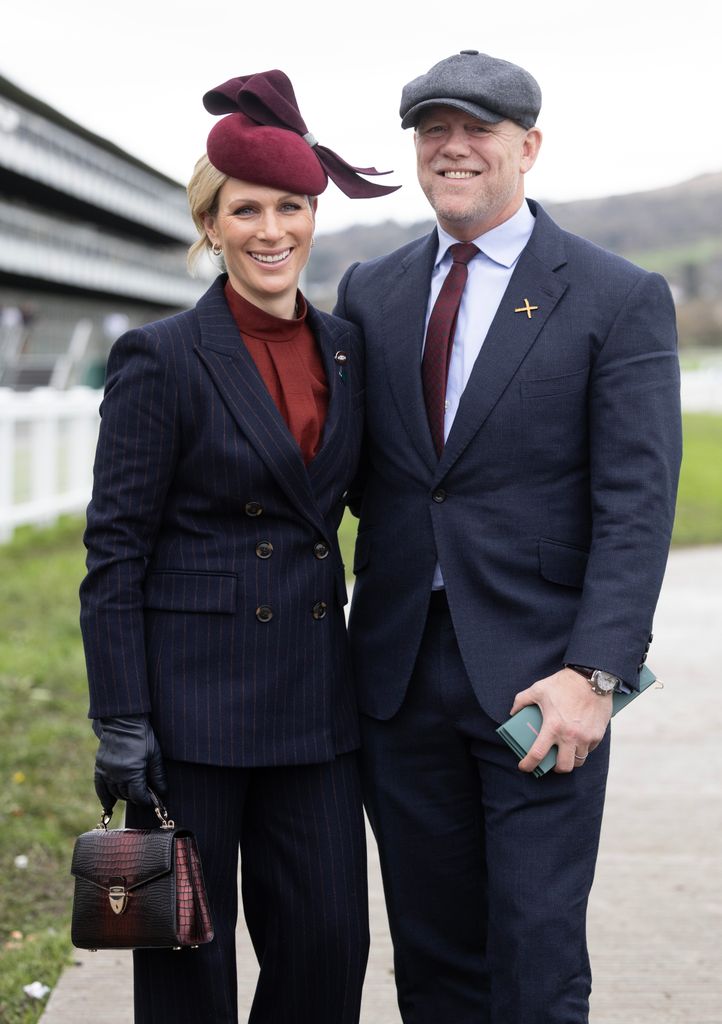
526, 308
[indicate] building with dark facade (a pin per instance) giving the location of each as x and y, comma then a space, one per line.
92, 241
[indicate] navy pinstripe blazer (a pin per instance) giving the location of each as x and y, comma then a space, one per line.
215, 588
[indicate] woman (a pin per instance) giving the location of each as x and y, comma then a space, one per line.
212, 611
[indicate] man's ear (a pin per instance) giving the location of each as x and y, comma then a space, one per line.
530, 149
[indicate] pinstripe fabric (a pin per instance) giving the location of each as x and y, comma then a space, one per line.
300, 831
191, 447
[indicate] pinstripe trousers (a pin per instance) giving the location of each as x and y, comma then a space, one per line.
303, 868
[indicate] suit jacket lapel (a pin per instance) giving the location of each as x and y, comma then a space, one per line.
404, 318
511, 334
236, 377
332, 338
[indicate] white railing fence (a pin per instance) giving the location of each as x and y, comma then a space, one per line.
702, 390
47, 441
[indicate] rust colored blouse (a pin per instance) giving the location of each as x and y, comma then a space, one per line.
289, 361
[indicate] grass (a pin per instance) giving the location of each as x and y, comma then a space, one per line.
46, 792
670, 259
47, 748
699, 505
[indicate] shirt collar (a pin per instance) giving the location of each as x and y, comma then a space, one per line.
503, 244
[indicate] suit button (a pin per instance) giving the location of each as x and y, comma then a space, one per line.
320, 549
264, 549
319, 610
439, 494
253, 508
264, 613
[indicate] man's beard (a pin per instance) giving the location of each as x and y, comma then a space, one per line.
478, 208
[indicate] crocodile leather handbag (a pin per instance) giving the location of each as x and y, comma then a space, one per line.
139, 888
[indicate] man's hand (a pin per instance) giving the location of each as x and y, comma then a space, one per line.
128, 762
573, 717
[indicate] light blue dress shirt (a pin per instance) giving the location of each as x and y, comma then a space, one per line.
489, 274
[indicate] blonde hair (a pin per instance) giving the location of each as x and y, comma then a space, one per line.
203, 188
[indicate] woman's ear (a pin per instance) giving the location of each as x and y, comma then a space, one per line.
209, 223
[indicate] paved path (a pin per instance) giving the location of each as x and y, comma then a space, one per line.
655, 924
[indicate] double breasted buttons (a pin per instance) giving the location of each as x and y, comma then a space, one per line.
264, 613
264, 549
439, 495
319, 610
253, 508
320, 549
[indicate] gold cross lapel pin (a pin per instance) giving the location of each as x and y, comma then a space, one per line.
526, 308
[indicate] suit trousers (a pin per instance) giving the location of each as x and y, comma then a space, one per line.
300, 832
487, 870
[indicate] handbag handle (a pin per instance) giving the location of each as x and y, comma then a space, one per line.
158, 806
160, 812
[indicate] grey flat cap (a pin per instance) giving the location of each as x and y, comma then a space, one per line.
485, 87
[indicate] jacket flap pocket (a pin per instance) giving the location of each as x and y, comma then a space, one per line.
135, 855
562, 563
176, 591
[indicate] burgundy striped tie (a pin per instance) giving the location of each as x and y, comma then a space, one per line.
439, 339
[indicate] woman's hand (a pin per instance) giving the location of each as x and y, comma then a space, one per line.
129, 761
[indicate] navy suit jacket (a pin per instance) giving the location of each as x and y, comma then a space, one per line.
551, 509
215, 588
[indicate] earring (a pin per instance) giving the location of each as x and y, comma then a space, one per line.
313, 241
217, 249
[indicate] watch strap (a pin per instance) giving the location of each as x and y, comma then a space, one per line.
590, 675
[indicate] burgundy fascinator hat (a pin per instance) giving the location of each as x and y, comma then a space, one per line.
265, 140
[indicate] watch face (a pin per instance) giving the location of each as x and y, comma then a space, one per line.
604, 681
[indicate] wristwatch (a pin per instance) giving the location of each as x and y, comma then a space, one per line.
600, 681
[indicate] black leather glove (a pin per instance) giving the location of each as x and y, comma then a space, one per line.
128, 762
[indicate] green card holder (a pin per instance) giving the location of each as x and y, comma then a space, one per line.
520, 731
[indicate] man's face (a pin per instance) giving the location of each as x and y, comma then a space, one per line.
471, 171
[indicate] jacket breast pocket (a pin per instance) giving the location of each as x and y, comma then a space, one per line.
176, 590
562, 563
555, 387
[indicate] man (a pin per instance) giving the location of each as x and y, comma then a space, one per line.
515, 520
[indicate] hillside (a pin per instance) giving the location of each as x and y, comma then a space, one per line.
676, 231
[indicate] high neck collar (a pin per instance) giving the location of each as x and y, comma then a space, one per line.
260, 324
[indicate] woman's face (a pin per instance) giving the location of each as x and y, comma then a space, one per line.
266, 237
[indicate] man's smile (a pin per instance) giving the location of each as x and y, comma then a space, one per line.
459, 174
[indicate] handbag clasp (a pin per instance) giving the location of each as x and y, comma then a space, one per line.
118, 896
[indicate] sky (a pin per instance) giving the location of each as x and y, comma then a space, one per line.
629, 86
